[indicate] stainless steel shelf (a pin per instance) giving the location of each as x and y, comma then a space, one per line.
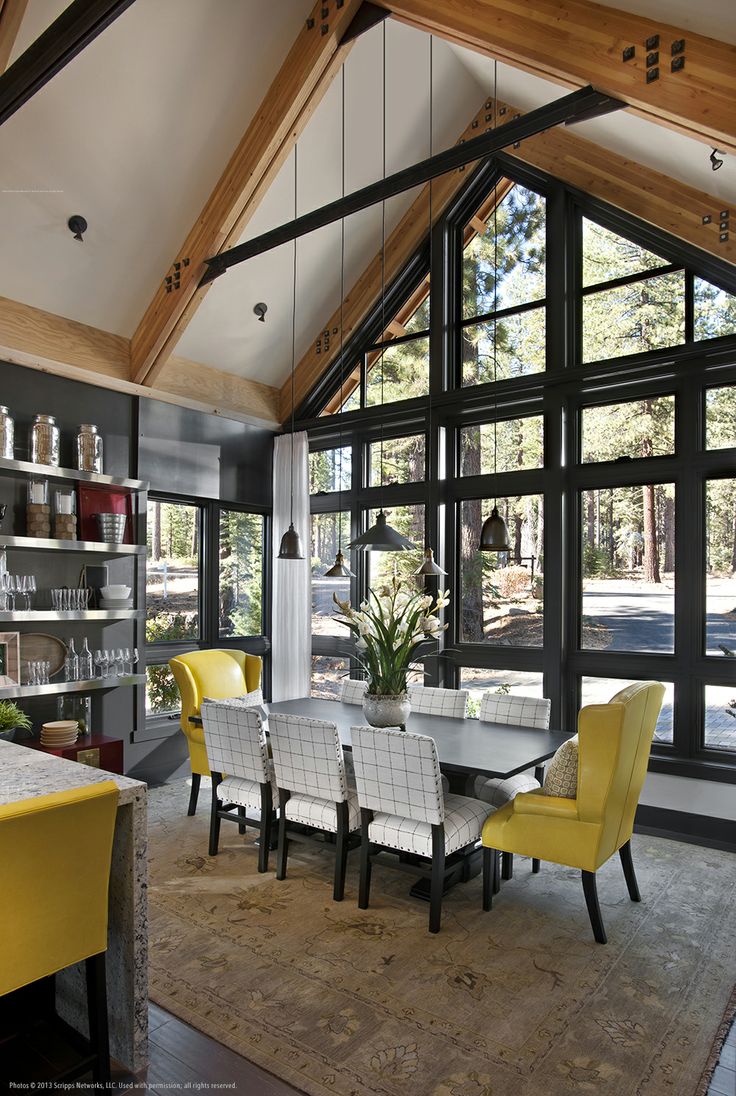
31, 615
13, 692
42, 544
49, 472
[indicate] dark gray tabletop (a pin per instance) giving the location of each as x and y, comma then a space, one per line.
463, 745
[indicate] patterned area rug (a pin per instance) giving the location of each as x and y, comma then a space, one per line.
516, 1002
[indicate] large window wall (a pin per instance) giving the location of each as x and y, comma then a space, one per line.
582, 370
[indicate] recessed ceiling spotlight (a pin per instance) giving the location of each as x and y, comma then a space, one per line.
260, 310
715, 161
77, 226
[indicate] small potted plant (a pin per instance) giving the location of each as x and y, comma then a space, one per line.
13, 720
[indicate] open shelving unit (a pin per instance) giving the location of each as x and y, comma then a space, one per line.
23, 557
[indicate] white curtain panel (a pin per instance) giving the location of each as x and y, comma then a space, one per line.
291, 633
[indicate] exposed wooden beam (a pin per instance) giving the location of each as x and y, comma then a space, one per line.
577, 42
11, 17
311, 64
42, 340
655, 198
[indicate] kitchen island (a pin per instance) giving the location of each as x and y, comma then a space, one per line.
25, 774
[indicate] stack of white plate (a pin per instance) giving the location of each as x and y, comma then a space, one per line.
59, 733
116, 602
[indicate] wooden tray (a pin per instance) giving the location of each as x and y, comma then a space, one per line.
40, 647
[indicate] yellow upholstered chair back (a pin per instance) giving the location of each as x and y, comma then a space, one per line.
614, 741
216, 674
55, 853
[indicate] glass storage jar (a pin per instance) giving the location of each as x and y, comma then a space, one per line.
89, 448
45, 441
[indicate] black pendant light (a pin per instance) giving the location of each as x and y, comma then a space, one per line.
339, 568
381, 537
494, 536
429, 566
291, 542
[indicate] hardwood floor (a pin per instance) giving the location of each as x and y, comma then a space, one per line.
181, 1055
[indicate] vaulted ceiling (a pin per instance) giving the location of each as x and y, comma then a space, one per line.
136, 131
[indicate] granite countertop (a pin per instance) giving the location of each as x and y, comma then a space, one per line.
26, 773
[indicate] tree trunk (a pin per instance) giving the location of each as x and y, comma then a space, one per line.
651, 553
156, 531
471, 559
590, 534
669, 534
518, 525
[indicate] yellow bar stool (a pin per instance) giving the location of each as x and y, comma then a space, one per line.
55, 853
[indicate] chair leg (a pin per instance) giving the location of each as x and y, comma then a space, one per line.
97, 1014
629, 874
214, 816
437, 881
194, 794
283, 850
535, 865
489, 873
496, 877
507, 862
364, 889
264, 843
341, 851
241, 825
594, 910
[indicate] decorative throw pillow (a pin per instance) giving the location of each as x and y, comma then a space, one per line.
562, 774
253, 699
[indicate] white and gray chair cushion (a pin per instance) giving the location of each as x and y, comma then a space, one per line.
309, 764
520, 711
398, 778
353, 691
253, 699
430, 700
236, 747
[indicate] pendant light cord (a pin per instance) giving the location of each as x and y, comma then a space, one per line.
342, 311
293, 346
383, 254
495, 294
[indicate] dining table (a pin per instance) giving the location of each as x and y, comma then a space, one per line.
465, 747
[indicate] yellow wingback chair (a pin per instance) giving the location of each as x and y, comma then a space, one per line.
217, 674
55, 853
614, 741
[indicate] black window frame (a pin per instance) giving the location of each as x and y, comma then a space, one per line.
559, 394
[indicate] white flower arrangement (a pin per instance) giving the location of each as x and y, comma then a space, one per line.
388, 628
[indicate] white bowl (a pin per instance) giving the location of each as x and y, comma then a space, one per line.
115, 591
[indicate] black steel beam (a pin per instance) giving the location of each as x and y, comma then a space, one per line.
76, 27
536, 121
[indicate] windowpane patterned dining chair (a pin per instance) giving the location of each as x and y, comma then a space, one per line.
313, 786
242, 773
516, 711
353, 691
431, 700
403, 807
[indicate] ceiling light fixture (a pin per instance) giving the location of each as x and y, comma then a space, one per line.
381, 537
260, 310
715, 160
494, 535
291, 543
77, 225
339, 568
429, 566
